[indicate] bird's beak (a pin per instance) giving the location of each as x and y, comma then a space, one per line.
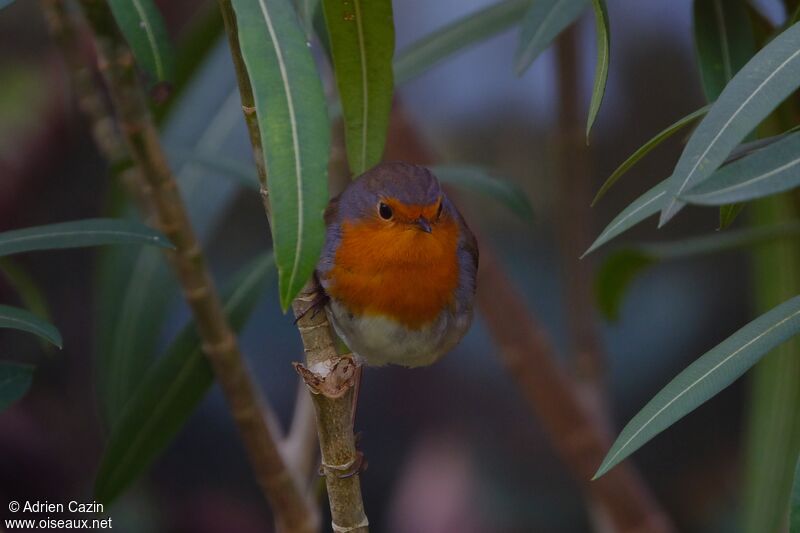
424, 225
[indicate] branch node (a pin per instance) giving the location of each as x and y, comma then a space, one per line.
197, 293
349, 469
341, 529
332, 378
249, 110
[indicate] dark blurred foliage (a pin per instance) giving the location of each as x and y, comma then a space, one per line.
451, 448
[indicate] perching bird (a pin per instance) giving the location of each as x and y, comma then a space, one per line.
398, 267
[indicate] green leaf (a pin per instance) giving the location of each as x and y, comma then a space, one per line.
727, 215
171, 391
647, 147
136, 287
198, 38
306, 10
295, 134
724, 42
706, 377
480, 180
29, 292
615, 276
15, 380
794, 18
15, 318
622, 265
767, 171
140, 314
361, 36
794, 516
772, 430
541, 25
601, 68
79, 234
643, 207
753, 93
244, 172
456, 37
144, 29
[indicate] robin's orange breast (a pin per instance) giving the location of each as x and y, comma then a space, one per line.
396, 271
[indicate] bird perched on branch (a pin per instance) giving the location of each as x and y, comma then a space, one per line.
398, 267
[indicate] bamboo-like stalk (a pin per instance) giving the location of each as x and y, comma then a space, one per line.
300, 445
329, 377
254, 418
246, 94
90, 100
331, 380
574, 228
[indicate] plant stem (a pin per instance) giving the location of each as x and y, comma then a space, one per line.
574, 228
246, 93
64, 29
330, 378
252, 414
300, 445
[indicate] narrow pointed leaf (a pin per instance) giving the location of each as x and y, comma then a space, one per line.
361, 34
624, 264
144, 29
16, 318
795, 18
141, 311
614, 277
243, 172
15, 380
724, 42
136, 286
306, 10
770, 170
772, 427
794, 511
643, 207
295, 134
456, 37
753, 93
601, 67
728, 214
542, 23
171, 391
647, 147
79, 234
30, 294
480, 180
706, 377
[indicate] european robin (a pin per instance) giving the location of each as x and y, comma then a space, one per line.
398, 267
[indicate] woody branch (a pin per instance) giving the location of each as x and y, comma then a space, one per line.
253, 416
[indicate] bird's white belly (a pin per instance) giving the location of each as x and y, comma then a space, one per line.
379, 340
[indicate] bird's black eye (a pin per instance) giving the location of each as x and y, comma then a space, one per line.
439, 211
384, 211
